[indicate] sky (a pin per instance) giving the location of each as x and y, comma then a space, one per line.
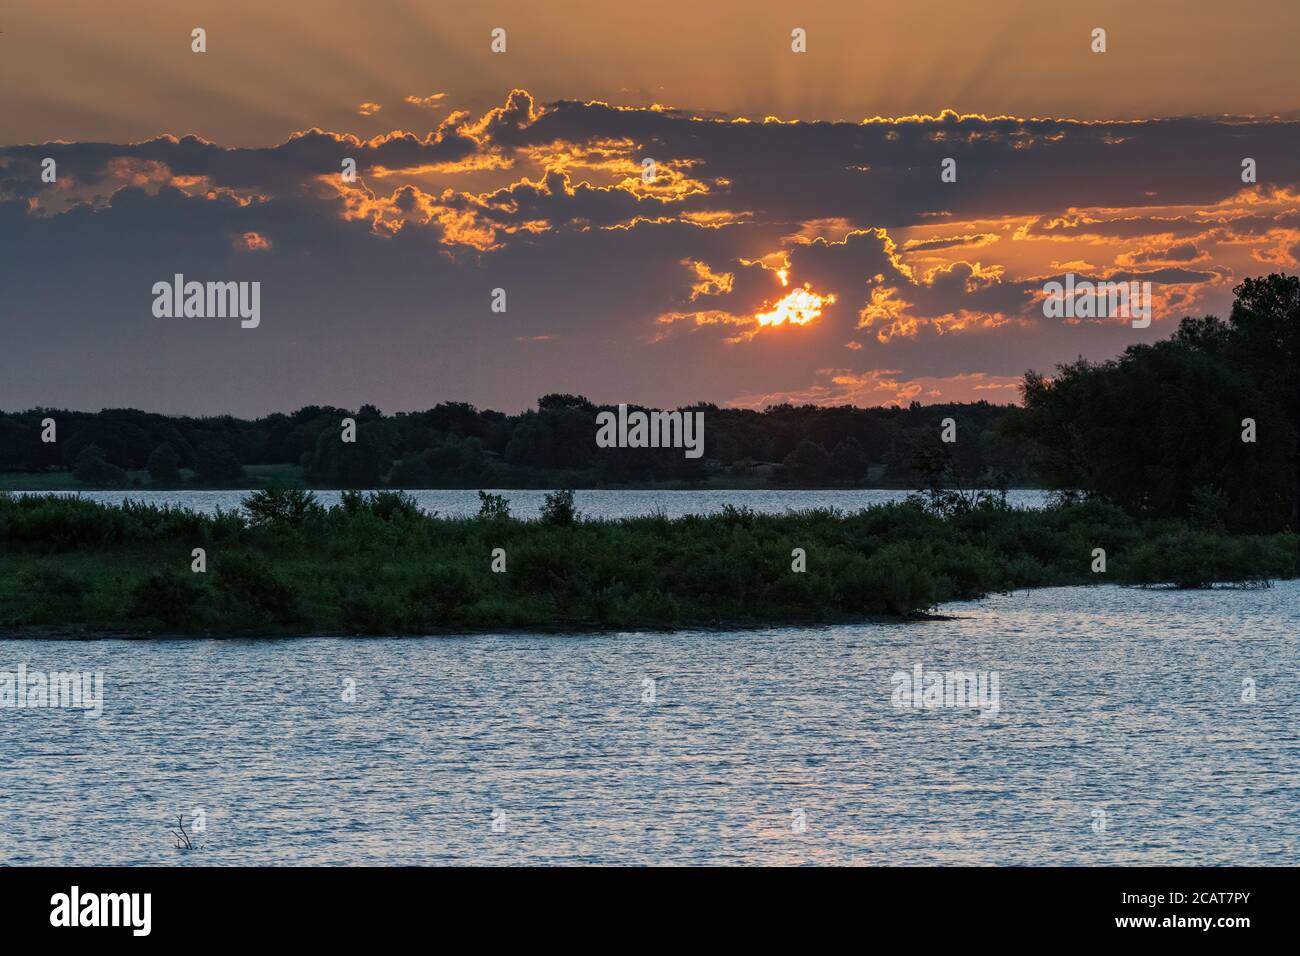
794, 241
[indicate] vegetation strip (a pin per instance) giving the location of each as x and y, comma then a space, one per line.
377, 564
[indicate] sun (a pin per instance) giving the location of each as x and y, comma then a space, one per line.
799, 306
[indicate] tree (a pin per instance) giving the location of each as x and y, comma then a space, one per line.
807, 464
215, 462
533, 444
358, 464
558, 402
1265, 341
849, 461
164, 464
1159, 429
412, 471
91, 469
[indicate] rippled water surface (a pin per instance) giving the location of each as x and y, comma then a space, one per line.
599, 503
1115, 701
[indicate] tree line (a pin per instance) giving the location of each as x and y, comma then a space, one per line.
1203, 426
455, 444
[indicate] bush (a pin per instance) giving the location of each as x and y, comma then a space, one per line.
733, 517
375, 565
167, 596
281, 507
373, 612
49, 586
392, 505
1197, 559
493, 507
251, 580
558, 508
443, 592
897, 580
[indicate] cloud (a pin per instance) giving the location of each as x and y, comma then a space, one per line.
754, 258
432, 101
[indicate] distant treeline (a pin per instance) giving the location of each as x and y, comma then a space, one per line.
1203, 426
457, 445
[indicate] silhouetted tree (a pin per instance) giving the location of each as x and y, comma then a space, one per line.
215, 462
1159, 429
92, 469
164, 464
807, 464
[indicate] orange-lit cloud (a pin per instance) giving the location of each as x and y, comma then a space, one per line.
430, 101
709, 282
252, 242
889, 387
797, 307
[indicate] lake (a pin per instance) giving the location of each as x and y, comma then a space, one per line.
598, 503
1125, 732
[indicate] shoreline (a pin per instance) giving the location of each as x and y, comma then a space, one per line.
633, 486
55, 633
91, 632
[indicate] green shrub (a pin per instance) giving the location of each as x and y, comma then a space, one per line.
558, 510
417, 570
897, 579
281, 507
251, 580
1197, 559
50, 587
373, 612
732, 516
442, 592
168, 596
493, 507
392, 505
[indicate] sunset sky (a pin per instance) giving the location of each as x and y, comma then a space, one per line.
797, 243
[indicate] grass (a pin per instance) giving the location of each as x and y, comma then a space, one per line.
53, 481
267, 475
376, 564
258, 476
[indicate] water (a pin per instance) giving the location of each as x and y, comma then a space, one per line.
1127, 702
599, 503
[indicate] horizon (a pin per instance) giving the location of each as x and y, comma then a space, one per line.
483, 409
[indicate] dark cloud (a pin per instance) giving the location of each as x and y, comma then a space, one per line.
379, 291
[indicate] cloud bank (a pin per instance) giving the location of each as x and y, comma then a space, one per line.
647, 255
